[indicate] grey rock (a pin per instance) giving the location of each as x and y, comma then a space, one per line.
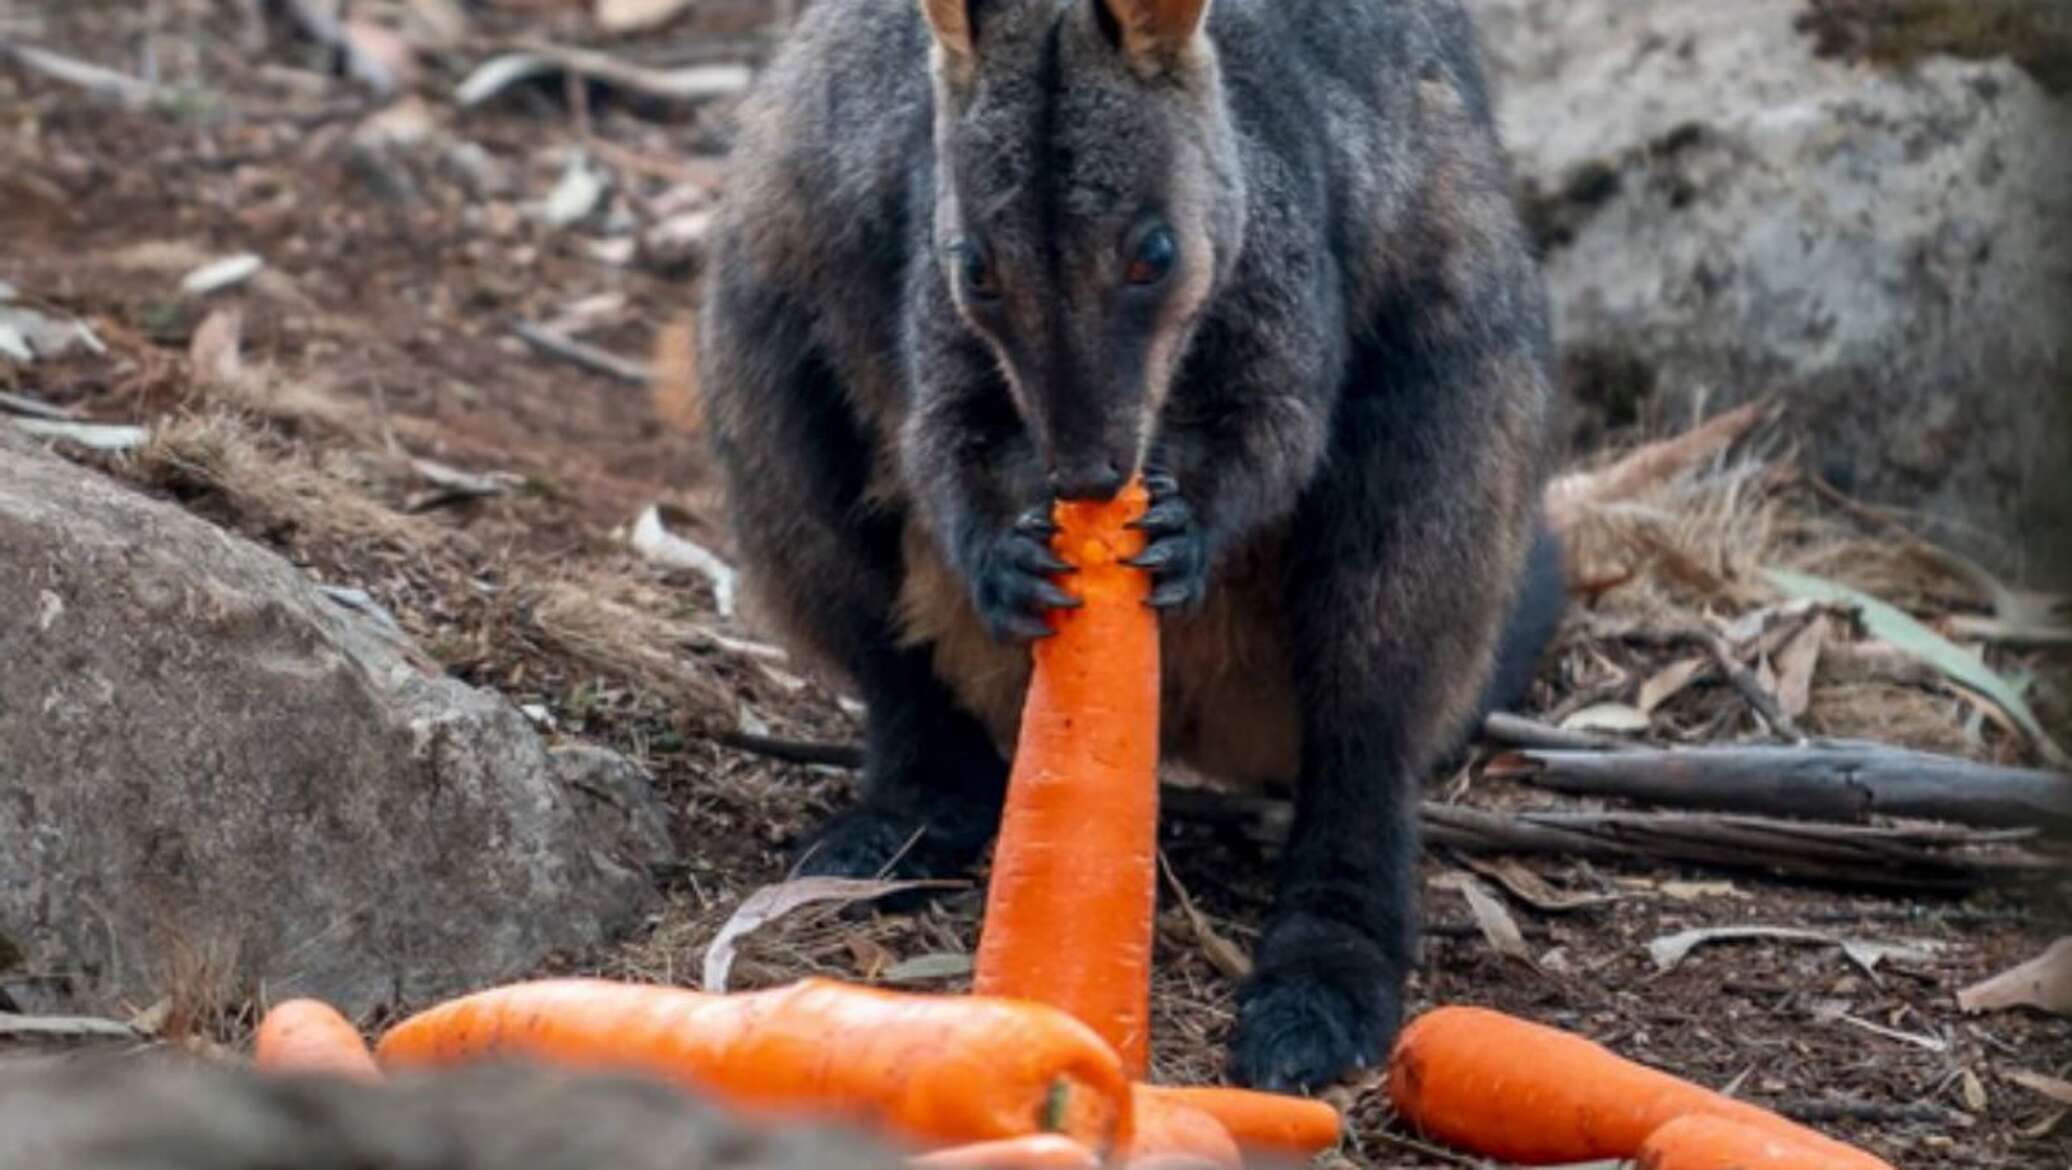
167, 1114
206, 760
1729, 215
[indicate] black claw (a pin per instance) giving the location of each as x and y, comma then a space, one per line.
1165, 517
1054, 597
1036, 522
1156, 556
1022, 625
1160, 483
1033, 557
1171, 595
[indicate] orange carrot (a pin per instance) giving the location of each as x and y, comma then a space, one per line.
1070, 904
933, 1070
1522, 1092
1168, 1129
1037, 1152
1272, 1125
1697, 1141
305, 1036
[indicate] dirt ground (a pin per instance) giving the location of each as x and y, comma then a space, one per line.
403, 242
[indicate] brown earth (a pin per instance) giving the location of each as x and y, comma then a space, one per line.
380, 331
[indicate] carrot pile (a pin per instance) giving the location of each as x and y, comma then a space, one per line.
1043, 1065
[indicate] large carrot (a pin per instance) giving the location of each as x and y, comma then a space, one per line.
306, 1036
1523, 1092
1043, 1151
1168, 1130
1272, 1125
933, 1070
1073, 892
1697, 1141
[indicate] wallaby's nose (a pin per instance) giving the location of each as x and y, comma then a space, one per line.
1090, 479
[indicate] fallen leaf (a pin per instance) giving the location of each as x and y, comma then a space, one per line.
1668, 682
83, 74
27, 335
1884, 620
452, 485
1607, 717
34, 407
2044, 982
663, 547
927, 969
64, 1028
2047, 636
620, 16
1669, 951
771, 903
1493, 920
2057, 1089
1973, 1091
218, 275
870, 957
1698, 891
1925, 1043
111, 437
1225, 956
2043, 1129
673, 376
214, 349
1796, 664
437, 24
13, 346
1532, 889
378, 56
575, 195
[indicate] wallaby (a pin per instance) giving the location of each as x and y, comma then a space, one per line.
978, 255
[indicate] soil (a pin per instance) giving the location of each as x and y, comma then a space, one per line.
380, 330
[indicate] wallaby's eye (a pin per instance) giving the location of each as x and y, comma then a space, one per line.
1153, 257
976, 271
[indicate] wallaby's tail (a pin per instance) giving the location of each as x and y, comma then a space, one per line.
1542, 596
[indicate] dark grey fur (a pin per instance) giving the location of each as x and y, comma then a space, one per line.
1341, 388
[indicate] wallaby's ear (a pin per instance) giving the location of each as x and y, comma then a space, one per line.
1156, 31
951, 21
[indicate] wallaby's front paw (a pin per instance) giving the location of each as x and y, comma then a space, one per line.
1012, 583
1177, 553
1321, 1004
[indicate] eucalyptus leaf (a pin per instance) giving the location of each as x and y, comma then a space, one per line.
1890, 623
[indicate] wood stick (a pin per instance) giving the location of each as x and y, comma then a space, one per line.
583, 354
1824, 780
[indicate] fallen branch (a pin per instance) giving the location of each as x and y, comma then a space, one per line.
14, 1027
537, 59
1826, 780
1518, 731
568, 349
1927, 859
793, 751
95, 79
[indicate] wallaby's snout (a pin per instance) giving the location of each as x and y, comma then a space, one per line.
1093, 477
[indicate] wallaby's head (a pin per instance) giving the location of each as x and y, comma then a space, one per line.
1088, 198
